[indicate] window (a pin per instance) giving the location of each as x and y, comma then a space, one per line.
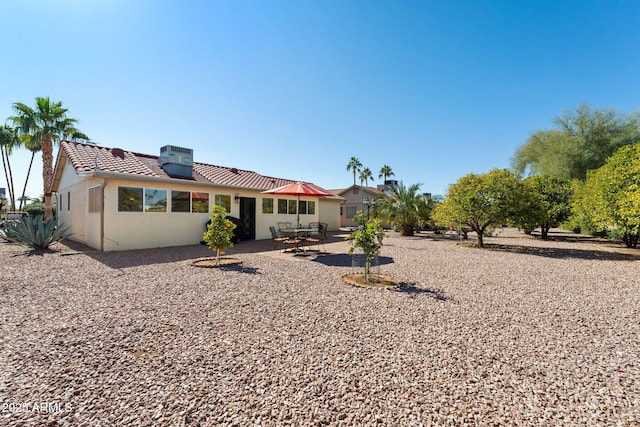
155, 200
129, 199
180, 201
200, 202
292, 207
302, 207
60, 202
95, 199
351, 211
223, 200
68, 200
311, 207
282, 206
267, 206
356, 190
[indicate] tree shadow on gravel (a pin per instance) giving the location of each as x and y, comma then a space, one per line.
412, 290
344, 260
563, 253
241, 269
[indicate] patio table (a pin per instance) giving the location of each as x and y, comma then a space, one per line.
297, 234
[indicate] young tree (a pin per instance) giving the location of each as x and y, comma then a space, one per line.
365, 176
354, 165
404, 208
385, 172
582, 141
481, 202
219, 231
44, 126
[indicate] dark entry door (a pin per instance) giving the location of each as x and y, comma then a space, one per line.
248, 218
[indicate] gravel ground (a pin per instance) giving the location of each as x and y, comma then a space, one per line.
523, 333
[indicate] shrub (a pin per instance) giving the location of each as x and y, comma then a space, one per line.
33, 232
367, 237
219, 232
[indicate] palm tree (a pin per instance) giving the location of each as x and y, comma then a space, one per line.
365, 176
404, 208
354, 165
8, 141
385, 172
32, 144
43, 126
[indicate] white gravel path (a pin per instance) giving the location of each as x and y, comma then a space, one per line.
523, 333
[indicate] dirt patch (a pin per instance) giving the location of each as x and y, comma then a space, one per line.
213, 263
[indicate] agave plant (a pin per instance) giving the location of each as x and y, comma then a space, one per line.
34, 232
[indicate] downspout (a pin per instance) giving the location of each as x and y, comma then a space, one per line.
102, 187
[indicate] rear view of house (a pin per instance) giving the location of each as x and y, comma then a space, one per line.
115, 199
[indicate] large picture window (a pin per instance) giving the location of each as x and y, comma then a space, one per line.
292, 206
129, 199
155, 200
282, 206
223, 200
180, 201
267, 206
199, 202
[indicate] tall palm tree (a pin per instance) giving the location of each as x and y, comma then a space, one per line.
404, 208
385, 172
33, 144
354, 165
8, 142
44, 126
365, 176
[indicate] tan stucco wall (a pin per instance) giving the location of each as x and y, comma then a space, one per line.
354, 200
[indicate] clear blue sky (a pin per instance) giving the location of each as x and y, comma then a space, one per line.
293, 89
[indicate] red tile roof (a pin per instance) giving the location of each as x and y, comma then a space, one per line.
89, 158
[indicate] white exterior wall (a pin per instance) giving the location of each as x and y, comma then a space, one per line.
264, 221
329, 212
73, 189
111, 230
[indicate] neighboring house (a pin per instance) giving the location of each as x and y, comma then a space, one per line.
115, 199
356, 198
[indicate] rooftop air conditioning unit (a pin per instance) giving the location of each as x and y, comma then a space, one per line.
176, 161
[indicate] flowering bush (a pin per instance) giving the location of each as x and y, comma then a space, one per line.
219, 232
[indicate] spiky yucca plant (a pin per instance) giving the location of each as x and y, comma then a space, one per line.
33, 232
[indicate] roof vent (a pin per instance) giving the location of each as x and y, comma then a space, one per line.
233, 170
117, 152
176, 161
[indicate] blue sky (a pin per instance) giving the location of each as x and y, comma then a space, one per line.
293, 89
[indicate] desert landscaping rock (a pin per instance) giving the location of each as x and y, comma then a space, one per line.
523, 333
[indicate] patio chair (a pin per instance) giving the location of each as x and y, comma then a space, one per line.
278, 241
322, 236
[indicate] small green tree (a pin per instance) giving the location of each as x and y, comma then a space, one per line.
367, 237
481, 202
219, 231
554, 201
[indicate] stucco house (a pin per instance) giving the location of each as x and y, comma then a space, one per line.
115, 199
356, 198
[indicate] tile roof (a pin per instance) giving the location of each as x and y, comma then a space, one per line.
93, 158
